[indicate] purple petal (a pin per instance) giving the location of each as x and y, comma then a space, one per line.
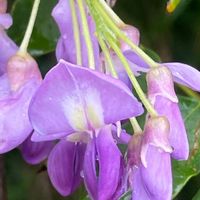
134, 150
178, 136
9, 49
66, 48
79, 99
36, 137
133, 34
157, 176
64, 166
137, 60
109, 164
89, 170
152, 178
182, 73
123, 138
108, 184
22, 69
107, 87
162, 96
54, 101
156, 133
15, 126
5, 20
160, 83
122, 74
185, 75
139, 190
35, 152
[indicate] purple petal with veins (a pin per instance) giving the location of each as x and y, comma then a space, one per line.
64, 166
79, 99
66, 46
185, 75
162, 95
35, 152
107, 184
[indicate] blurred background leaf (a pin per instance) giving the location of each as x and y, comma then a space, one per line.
171, 5
184, 170
45, 31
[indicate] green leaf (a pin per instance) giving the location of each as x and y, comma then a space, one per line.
172, 4
197, 196
184, 170
151, 53
45, 31
126, 196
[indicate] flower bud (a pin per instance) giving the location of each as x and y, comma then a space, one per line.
162, 95
3, 6
160, 83
152, 179
134, 149
133, 34
156, 134
20, 69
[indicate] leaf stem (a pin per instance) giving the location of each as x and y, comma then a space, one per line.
86, 34
136, 127
122, 36
134, 81
111, 13
107, 56
24, 45
76, 33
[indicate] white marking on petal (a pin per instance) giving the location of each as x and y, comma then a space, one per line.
94, 108
74, 112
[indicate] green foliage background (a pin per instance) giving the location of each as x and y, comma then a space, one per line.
174, 37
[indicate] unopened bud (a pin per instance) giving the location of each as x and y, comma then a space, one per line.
133, 34
3, 6
156, 133
20, 69
160, 83
134, 148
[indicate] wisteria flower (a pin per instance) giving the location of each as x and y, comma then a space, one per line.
77, 103
162, 95
149, 162
19, 78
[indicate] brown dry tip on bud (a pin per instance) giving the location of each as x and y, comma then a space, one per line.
3, 6
158, 124
20, 69
134, 148
132, 33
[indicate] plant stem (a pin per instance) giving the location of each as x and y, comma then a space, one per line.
111, 13
189, 92
24, 45
107, 56
136, 127
122, 36
134, 81
86, 34
76, 33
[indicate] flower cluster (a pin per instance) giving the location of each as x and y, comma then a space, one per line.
73, 116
